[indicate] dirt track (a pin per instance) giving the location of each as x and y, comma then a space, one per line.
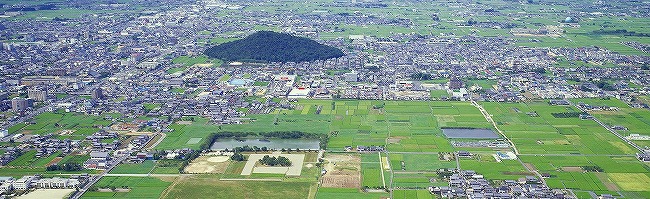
343, 171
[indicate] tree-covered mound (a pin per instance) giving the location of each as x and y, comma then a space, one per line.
273, 47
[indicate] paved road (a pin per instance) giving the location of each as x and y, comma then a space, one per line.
248, 179
36, 112
147, 175
609, 129
533, 171
559, 154
488, 117
419, 153
163, 136
95, 179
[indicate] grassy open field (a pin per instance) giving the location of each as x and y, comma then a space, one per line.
415, 194
141, 168
545, 134
632, 181
48, 122
209, 186
332, 193
182, 134
351, 123
635, 120
409, 127
571, 143
79, 159
415, 127
419, 162
139, 187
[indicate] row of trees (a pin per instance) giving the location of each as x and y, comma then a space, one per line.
421, 76
592, 169
620, 32
567, 114
238, 157
65, 167
273, 161
247, 148
274, 134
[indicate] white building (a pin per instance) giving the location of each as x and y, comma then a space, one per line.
351, 77
4, 133
6, 187
57, 183
23, 183
634, 136
299, 93
96, 155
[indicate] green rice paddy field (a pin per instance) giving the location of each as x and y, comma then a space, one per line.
411, 131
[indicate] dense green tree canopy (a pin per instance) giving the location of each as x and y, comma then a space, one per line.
274, 47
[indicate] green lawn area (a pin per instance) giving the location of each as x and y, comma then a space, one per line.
332, 193
504, 170
485, 84
79, 159
202, 186
415, 127
177, 90
190, 61
176, 69
225, 78
61, 13
419, 162
24, 160
140, 187
181, 134
437, 94
28, 159
141, 168
259, 83
416, 194
48, 122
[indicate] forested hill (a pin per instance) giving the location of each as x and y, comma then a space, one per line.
274, 47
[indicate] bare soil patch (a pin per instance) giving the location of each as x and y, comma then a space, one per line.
342, 179
572, 169
530, 166
343, 171
611, 186
208, 164
54, 161
47, 193
394, 140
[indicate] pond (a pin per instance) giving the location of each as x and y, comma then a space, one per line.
469, 133
278, 144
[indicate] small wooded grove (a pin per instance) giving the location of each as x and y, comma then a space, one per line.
274, 134
273, 161
273, 47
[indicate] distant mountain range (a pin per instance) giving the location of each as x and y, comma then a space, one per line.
273, 47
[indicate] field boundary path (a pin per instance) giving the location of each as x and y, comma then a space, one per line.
252, 179
608, 128
488, 117
162, 137
147, 175
77, 194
